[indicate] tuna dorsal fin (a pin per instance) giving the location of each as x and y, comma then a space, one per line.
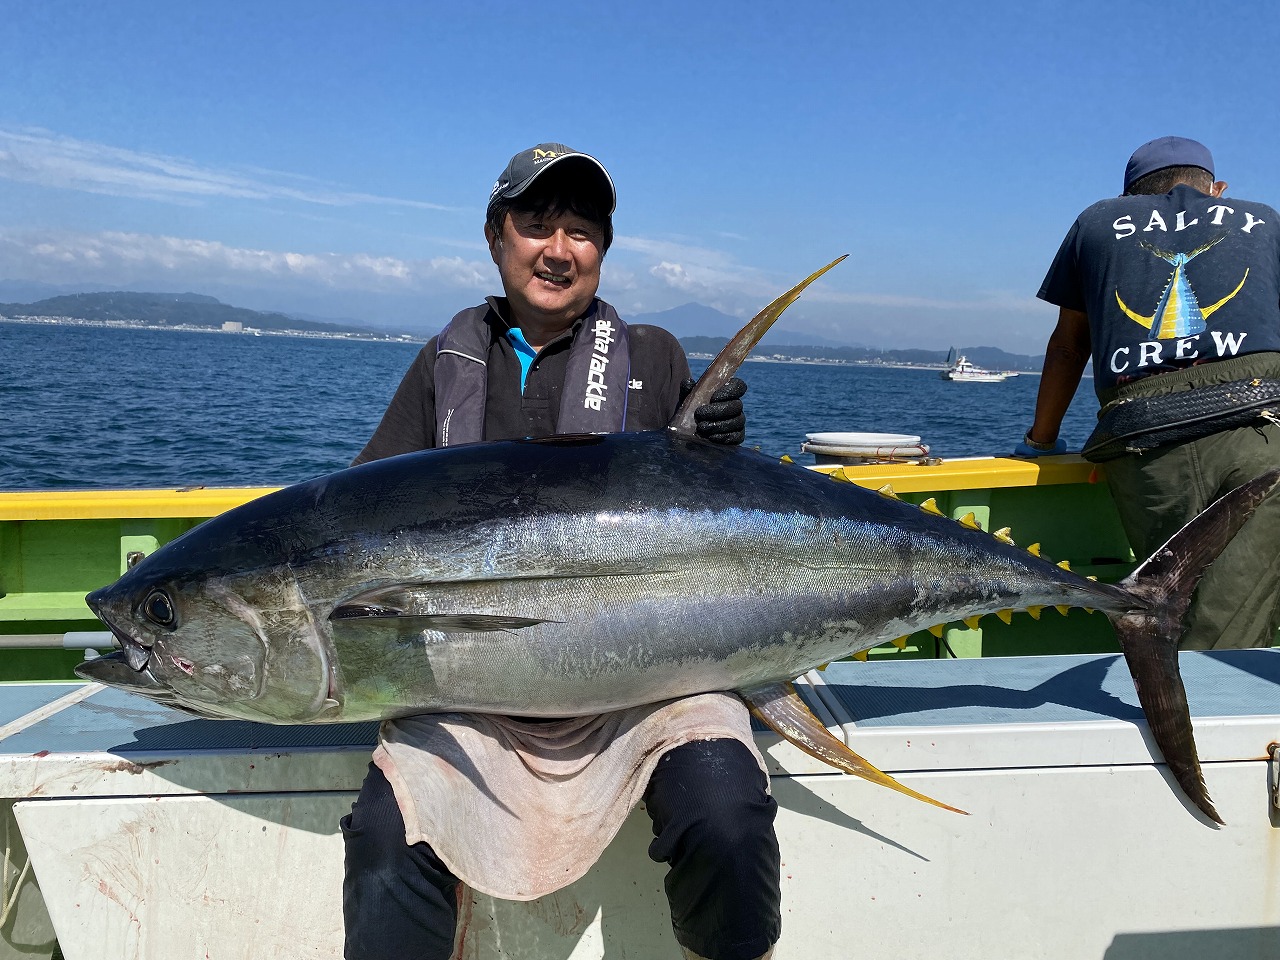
779, 707
735, 351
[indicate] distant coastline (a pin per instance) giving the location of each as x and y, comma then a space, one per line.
796, 355
373, 336
200, 313
836, 362
829, 361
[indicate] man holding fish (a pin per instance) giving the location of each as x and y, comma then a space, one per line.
550, 358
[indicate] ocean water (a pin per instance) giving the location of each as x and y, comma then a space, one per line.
87, 407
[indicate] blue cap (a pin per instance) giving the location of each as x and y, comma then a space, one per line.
1166, 152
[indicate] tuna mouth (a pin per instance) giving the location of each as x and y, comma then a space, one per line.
116, 671
133, 652
136, 653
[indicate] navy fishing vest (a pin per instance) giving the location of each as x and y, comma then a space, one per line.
594, 396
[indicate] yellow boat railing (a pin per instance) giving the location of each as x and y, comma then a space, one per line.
124, 504
978, 473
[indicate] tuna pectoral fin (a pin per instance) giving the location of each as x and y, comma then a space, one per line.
779, 707
444, 622
1149, 638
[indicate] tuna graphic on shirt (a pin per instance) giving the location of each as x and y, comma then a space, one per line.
1178, 313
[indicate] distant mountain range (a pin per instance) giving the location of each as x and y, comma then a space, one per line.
166, 309
700, 329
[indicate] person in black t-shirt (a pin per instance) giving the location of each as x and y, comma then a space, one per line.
1174, 287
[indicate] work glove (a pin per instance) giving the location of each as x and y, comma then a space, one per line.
721, 420
1025, 449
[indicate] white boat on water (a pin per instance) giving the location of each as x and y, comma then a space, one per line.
963, 369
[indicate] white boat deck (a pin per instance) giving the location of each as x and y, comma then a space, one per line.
157, 835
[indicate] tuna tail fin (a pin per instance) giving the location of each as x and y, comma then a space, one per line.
1149, 638
734, 352
779, 707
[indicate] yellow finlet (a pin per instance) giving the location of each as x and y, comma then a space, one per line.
1005, 615
1034, 549
785, 458
969, 521
1062, 608
1034, 612
931, 506
1063, 565
971, 622
937, 629
839, 476
900, 642
1004, 536
1092, 577
887, 491
861, 655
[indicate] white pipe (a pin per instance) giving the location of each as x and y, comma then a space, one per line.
73, 640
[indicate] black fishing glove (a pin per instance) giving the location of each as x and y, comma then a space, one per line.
721, 420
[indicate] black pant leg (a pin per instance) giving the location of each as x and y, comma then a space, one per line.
399, 901
713, 824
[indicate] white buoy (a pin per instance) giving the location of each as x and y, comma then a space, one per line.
839, 447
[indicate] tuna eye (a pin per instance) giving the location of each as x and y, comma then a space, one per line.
158, 609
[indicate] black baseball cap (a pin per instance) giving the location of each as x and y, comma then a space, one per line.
528, 165
1166, 152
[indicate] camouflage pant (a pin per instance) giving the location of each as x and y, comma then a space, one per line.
1238, 602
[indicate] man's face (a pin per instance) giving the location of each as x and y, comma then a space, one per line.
550, 267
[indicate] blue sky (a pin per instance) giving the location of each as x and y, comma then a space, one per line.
333, 159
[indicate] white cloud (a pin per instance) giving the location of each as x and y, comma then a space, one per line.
50, 160
120, 259
423, 290
715, 280
659, 249
673, 275
695, 270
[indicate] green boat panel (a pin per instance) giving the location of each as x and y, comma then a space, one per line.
43, 606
